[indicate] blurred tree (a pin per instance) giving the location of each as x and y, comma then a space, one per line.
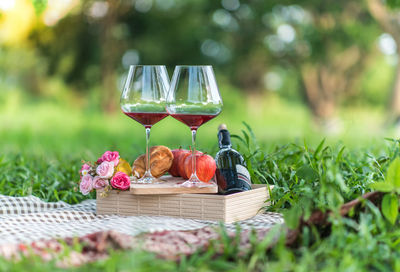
85, 47
389, 19
110, 33
18, 63
109, 54
328, 43
324, 45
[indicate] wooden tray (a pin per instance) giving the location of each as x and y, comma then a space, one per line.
225, 208
171, 186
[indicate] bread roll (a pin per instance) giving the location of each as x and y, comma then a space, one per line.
161, 159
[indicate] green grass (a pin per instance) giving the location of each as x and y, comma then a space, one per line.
71, 129
305, 178
43, 144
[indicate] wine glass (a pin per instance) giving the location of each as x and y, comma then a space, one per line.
194, 99
143, 99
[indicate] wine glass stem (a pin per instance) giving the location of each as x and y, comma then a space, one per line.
194, 175
147, 173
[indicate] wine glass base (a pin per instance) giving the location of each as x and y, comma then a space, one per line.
146, 180
196, 184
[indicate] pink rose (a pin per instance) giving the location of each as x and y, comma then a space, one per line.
99, 183
105, 170
109, 157
85, 169
121, 181
86, 184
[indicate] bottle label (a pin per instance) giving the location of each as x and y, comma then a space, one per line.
243, 174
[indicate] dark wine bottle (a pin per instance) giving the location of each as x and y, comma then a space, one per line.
232, 174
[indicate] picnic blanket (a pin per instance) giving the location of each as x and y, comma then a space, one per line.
28, 219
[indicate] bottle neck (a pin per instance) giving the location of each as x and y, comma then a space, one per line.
224, 139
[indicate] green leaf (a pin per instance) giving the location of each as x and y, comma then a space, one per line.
246, 136
39, 5
393, 3
390, 207
239, 138
292, 217
321, 144
393, 173
382, 187
307, 173
340, 154
253, 136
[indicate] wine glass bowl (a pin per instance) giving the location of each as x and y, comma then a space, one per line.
144, 100
193, 99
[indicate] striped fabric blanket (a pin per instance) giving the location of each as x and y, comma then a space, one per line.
27, 220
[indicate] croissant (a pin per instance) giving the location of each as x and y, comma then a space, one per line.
161, 159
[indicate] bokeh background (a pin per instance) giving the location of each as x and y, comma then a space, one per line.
293, 70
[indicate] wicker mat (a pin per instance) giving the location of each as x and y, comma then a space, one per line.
28, 219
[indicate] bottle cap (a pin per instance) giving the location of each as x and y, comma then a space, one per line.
221, 127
